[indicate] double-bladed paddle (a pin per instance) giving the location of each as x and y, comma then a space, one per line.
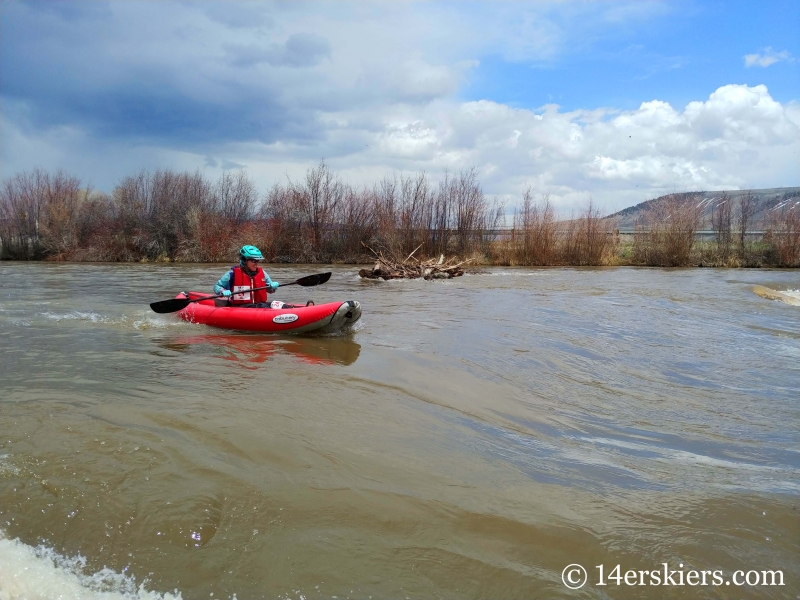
176, 304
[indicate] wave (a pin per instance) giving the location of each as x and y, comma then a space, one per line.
139, 322
33, 573
789, 296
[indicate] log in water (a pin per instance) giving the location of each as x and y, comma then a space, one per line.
470, 439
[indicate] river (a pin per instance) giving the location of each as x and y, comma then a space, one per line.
469, 438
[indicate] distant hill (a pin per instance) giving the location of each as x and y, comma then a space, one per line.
765, 200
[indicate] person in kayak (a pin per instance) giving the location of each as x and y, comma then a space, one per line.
244, 277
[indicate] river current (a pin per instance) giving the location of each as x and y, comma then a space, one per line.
469, 438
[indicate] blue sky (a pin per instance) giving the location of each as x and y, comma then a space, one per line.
677, 52
618, 101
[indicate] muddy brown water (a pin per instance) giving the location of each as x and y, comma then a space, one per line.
468, 439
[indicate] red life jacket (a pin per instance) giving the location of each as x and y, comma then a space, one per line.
242, 281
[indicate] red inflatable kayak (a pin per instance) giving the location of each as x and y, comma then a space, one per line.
323, 318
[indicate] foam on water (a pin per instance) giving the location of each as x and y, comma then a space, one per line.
792, 293
145, 321
6, 466
151, 321
41, 573
513, 273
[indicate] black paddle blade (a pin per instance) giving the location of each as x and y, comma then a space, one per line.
168, 306
311, 280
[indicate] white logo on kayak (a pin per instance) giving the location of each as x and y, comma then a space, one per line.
287, 318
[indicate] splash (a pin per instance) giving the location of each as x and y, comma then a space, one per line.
151, 322
92, 317
7, 468
38, 573
792, 294
144, 321
789, 296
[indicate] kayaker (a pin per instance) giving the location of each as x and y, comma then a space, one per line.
244, 277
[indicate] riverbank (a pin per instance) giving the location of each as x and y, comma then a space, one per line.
757, 254
182, 217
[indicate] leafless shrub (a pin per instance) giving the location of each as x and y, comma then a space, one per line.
415, 218
158, 212
783, 234
587, 239
469, 210
181, 216
234, 197
747, 208
722, 224
386, 205
38, 214
410, 214
319, 198
355, 222
281, 210
211, 237
304, 214
534, 235
665, 234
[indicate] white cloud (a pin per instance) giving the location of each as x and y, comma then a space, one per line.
739, 137
765, 58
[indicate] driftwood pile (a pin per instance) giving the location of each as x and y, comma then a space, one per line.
412, 268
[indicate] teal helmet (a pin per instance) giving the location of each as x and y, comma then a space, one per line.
247, 252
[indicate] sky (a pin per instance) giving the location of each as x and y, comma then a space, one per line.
613, 101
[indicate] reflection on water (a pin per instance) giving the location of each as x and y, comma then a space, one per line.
469, 440
252, 350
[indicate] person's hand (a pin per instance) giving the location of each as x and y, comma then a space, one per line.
273, 286
226, 293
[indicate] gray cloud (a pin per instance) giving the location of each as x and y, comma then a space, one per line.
300, 50
223, 164
240, 15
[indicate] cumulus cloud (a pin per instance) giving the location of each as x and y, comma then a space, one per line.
739, 137
765, 58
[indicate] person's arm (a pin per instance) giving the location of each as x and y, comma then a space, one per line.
224, 284
273, 285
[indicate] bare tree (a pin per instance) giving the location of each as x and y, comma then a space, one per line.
747, 208
416, 200
721, 223
38, 214
783, 233
386, 201
665, 232
355, 223
536, 225
319, 197
159, 211
234, 196
469, 210
586, 239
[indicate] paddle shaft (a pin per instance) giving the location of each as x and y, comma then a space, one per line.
266, 287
